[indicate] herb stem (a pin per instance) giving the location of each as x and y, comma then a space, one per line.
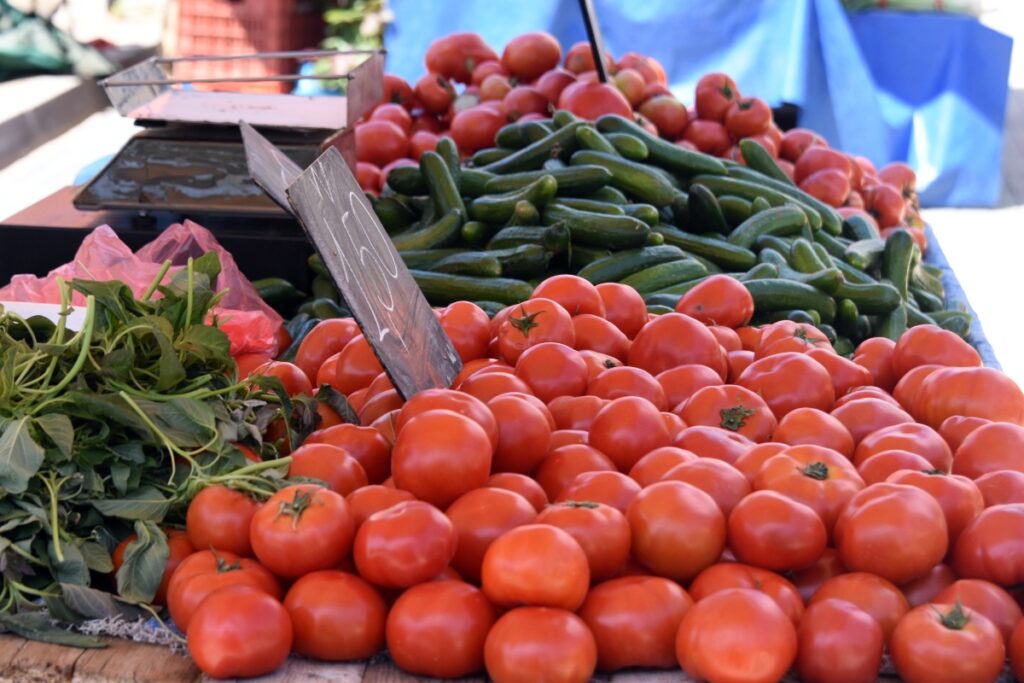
54, 487
90, 318
189, 293
164, 267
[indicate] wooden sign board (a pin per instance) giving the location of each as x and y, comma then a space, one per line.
364, 264
594, 35
268, 166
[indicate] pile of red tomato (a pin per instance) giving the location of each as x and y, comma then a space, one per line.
603, 489
530, 80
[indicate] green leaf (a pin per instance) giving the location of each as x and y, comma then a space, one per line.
170, 369
37, 626
20, 456
144, 503
187, 422
144, 561
206, 343
96, 604
72, 569
119, 473
208, 264
109, 408
117, 364
338, 402
97, 558
58, 427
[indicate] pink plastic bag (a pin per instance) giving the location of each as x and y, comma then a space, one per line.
247, 320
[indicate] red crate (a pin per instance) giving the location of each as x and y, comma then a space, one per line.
231, 27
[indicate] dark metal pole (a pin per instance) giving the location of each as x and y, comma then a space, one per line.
594, 35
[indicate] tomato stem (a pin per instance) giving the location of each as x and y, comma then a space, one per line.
816, 470
934, 471
955, 619
526, 322
587, 504
294, 508
734, 418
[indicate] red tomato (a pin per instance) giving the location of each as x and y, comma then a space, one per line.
713, 442
398, 91
540, 644
922, 590
867, 415
457, 54
623, 307
367, 500
908, 436
750, 462
219, 518
474, 128
523, 434
395, 113
769, 530
716, 92
940, 646
808, 581
878, 467
625, 381
573, 293
1001, 487
365, 444
738, 362
611, 488
869, 533
819, 158
467, 325
955, 428
816, 476
788, 381
239, 631
537, 565
990, 546
710, 137
457, 401
990, 448
580, 58
786, 335
485, 69
205, 571
727, 339
420, 142
627, 429
736, 634
292, 377
554, 82
336, 617
592, 100
830, 185
634, 620
886, 204
435, 93
668, 114
552, 369
731, 575
333, 465
405, 544
479, 517
875, 354
717, 478
356, 367
575, 412
748, 116
597, 334
533, 322
370, 180
678, 530
653, 466
178, 548
730, 407
601, 531
488, 385
529, 55
930, 344
440, 454
970, 392
796, 141
494, 88
452, 612
300, 529
683, 381
719, 300
674, 339
563, 464
985, 598
1016, 650
873, 594
838, 643
846, 374
815, 427
380, 142
631, 84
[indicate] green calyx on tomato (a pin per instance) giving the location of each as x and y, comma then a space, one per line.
587, 504
816, 470
955, 619
935, 472
726, 91
223, 565
734, 418
525, 322
296, 506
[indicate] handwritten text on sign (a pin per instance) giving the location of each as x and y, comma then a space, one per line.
388, 305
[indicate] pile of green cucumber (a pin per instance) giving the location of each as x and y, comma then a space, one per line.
612, 202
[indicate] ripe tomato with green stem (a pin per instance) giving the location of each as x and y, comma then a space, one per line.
601, 531
731, 575
533, 322
219, 518
733, 408
946, 644
205, 571
336, 616
716, 92
718, 300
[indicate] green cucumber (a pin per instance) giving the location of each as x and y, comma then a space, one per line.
525, 213
893, 324
722, 253
572, 180
783, 245
629, 146
449, 151
424, 259
661, 300
779, 220
682, 288
536, 130
438, 234
834, 246
393, 214
644, 212
705, 215
475, 233
664, 275
735, 209
498, 208
760, 272
560, 143
922, 278
780, 294
607, 193
562, 118
659, 309
758, 158
831, 221
758, 205
441, 184
662, 152
580, 256
878, 298
323, 288
636, 180
851, 274
859, 227
594, 206
926, 301
479, 263
615, 267
865, 254
846, 316
473, 182
489, 155
598, 230
407, 180
589, 138
554, 238
522, 262
510, 136
752, 190
277, 290
899, 254
443, 288
803, 258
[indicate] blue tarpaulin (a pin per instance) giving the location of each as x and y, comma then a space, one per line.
929, 89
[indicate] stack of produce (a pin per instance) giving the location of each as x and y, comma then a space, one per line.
526, 83
613, 202
603, 488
